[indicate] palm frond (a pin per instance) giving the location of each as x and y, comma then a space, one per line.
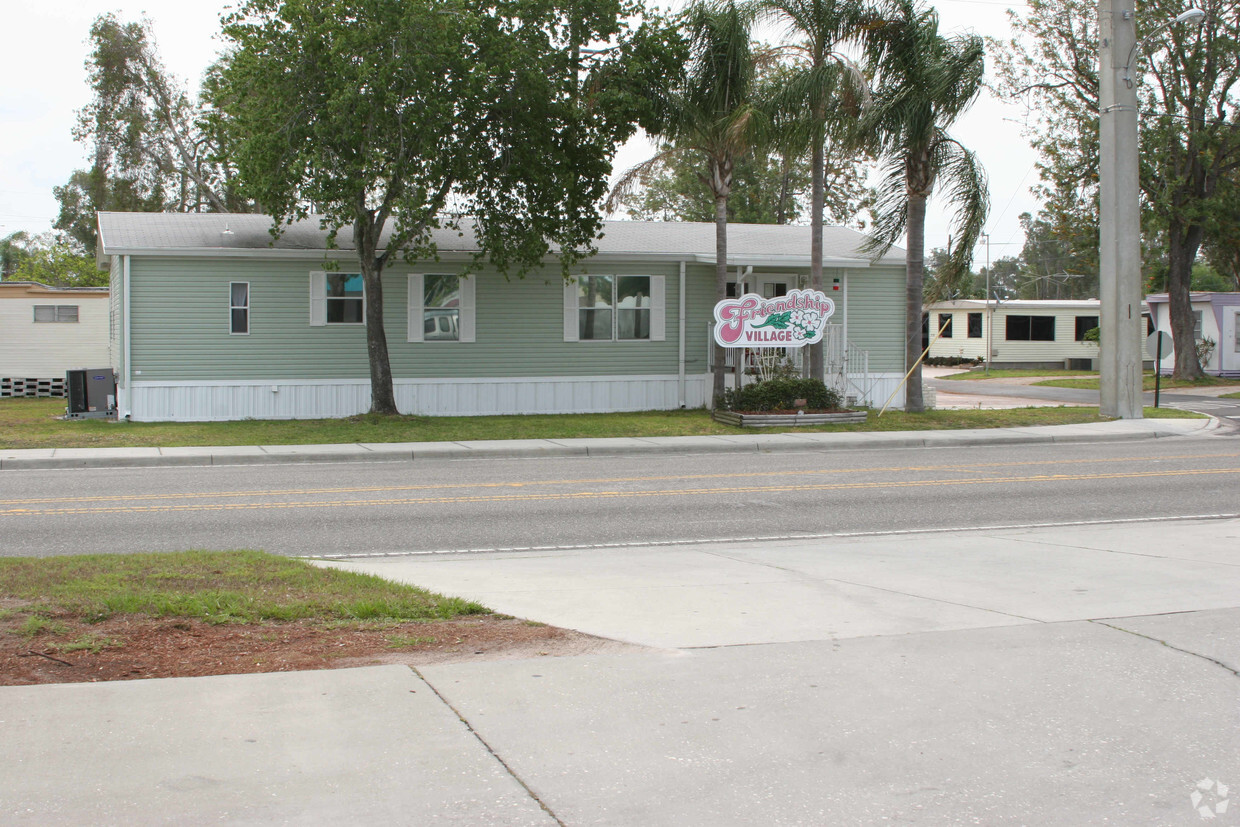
890, 210
634, 178
962, 184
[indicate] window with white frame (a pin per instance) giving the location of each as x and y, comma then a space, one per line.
614, 308
346, 298
441, 307
1237, 326
52, 313
1197, 325
337, 299
239, 307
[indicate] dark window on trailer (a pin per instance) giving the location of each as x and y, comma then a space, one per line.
1084, 324
975, 325
1031, 328
945, 325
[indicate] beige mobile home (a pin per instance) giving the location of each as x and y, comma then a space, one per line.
46, 331
1016, 334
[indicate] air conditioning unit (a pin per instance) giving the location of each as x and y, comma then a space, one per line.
92, 393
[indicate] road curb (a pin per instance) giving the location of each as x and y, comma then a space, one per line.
556, 449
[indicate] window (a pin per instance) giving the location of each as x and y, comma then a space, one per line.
945, 325
1237, 331
774, 289
346, 302
975, 325
1084, 324
614, 308
239, 307
1031, 328
441, 308
51, 313
633, 307
1197, 325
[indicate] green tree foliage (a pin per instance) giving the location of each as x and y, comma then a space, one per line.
767, 189
150, 148
14, 249
392, 116
1190, 133
1058, 262
710, 115
47, 260
924, 83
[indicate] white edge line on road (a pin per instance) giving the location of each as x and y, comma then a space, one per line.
764, 539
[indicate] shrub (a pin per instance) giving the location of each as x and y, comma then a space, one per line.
781, 395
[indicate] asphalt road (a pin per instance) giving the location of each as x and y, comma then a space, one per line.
460, 506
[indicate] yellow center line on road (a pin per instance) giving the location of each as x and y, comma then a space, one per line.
580, 495
288, 492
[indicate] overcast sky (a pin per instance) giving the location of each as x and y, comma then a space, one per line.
44, 83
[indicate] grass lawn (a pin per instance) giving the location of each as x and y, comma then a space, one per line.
216, 587
34, 423
1147, 382
1231, 395
1010, 373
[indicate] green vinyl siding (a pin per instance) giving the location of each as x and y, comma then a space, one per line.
181, 330
876, 315
116, 318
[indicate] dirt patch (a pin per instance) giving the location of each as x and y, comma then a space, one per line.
132, 648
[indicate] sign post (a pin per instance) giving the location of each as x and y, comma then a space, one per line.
1157, 341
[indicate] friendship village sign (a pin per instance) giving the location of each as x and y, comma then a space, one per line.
797, 319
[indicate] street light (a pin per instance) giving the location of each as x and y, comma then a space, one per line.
1190, 16
1119, 210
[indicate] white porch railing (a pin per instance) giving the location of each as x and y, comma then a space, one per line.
846, 367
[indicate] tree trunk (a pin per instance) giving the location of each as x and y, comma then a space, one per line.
817, 186
721, 288
915, 262
1180, 255
382, 394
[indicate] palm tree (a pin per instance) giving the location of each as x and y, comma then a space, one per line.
711, 114
821, 94
924, 83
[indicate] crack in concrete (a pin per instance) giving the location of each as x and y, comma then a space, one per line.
477, 735
805, 576
1172, 647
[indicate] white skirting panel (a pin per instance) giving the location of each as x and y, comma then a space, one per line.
325, 399
871, 390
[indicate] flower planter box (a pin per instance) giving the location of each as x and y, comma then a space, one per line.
784, 420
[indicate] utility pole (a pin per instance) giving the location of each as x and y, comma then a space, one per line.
1120, 224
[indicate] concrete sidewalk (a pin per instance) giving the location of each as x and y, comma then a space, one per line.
1056, 675
1116, 430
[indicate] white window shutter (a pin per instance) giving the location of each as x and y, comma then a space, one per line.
318, 298
417, 299
658, 308
467, 308
571, 326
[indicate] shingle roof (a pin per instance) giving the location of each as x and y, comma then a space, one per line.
233, 234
